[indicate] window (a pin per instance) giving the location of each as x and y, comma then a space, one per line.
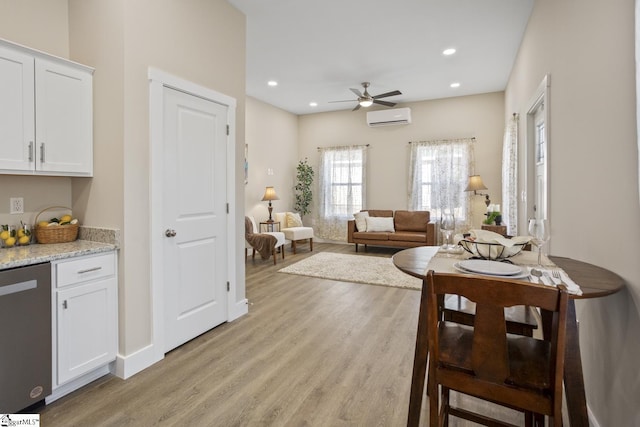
342, 179
439, 171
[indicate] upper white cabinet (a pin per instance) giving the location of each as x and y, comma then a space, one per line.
46, 114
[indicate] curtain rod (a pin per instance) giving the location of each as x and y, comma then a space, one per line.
366, 145
473, 138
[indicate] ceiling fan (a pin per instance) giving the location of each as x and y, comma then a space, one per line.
366, 100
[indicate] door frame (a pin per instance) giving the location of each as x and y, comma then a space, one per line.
158, 80
540, 97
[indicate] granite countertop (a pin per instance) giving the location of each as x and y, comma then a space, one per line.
91, 241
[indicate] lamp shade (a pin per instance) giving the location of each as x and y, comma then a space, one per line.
475, 184
270, 194
366, 103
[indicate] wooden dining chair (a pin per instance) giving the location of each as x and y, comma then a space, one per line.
483, 360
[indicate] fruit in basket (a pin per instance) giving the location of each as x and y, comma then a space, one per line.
43, 224
65, 218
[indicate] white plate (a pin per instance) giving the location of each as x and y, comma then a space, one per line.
493, 268
523, 273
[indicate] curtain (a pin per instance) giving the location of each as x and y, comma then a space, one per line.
509, 208
438, 174
341, 189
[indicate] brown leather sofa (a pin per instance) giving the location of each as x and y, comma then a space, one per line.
412, 229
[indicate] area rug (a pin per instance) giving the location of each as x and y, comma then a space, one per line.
371, 270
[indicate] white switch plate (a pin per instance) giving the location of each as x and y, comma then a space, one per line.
16, 205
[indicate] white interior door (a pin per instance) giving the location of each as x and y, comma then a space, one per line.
195, 217
540, 166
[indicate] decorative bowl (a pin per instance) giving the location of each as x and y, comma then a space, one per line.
491, 251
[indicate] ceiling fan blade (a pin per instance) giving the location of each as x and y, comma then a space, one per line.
386, 103
346, 100
356, 108
356, 91
384, 95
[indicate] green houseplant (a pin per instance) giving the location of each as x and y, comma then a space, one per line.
304, 180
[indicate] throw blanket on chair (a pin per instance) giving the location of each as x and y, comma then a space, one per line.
263, 243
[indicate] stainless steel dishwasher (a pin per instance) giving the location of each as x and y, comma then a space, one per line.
25, 336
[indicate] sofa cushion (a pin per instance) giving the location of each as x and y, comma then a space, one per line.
408, 236
375, 223
369, 235
411, 220
361, 222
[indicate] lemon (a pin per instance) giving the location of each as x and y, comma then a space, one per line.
43, 224
4, 235
10, 242
24, 240
65, 218
20, 232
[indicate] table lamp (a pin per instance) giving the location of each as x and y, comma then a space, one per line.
269, 195
475, 184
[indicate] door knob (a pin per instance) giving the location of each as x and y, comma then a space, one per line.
170, 233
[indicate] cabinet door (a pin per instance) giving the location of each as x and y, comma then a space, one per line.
64, 119
87, 321
16, 111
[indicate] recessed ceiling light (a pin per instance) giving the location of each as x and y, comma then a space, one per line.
449, 51
454, 85
313, 104
272, 83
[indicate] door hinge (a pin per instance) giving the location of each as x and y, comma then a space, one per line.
227, 129
228, 287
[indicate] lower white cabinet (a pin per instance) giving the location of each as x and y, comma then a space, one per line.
85, 330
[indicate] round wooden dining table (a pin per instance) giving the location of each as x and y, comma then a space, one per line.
594, 281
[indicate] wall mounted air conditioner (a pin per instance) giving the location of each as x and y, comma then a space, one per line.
395, 116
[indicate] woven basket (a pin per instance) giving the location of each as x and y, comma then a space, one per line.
57, 234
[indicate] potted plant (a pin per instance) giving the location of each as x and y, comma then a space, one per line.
303, 194
493, 217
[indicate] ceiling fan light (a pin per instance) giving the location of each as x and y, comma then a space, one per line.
366, 103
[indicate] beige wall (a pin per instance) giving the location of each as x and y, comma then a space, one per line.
202, 42
187, 39
272, 138
41, 25
587, 48
479, 116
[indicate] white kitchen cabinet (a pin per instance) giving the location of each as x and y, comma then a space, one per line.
85, 316
46, 114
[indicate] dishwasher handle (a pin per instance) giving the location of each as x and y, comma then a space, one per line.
18, 287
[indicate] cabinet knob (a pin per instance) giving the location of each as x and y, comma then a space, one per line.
64, 304
170, 233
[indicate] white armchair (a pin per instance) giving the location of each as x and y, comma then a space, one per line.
280, 241
291, 226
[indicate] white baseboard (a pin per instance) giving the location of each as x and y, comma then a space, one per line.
75, 384
127, 366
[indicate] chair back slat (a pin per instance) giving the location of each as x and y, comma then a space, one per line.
489, 357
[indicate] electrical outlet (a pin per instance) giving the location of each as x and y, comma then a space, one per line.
16, 205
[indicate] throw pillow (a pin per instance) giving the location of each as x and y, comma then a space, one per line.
379, 223
293, 220
361, 220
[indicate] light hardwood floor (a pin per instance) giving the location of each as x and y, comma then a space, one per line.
311, 352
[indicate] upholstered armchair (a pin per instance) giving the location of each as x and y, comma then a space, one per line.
252, 234
293, 229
